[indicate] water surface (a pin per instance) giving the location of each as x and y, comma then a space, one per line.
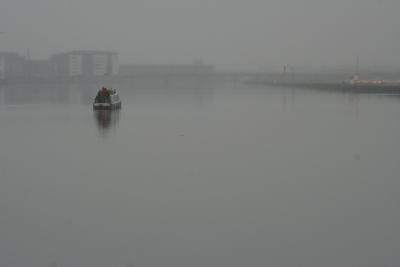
198, 172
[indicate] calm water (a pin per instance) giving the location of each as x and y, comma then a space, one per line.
194, 172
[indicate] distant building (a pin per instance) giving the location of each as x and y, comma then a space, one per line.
85, 63
11, 65
39, 69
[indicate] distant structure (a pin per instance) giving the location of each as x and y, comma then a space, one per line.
11, 65
85, 63
196, 68
38, 69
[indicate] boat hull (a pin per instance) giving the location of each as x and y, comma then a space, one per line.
106, 106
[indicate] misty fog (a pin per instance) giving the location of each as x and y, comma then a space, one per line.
230, 34
224, 153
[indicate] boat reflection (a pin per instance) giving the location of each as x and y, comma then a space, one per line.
106, 120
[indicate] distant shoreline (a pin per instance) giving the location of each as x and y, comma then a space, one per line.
99, 79
317, 85
336, 86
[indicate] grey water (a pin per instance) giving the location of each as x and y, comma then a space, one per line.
198, 172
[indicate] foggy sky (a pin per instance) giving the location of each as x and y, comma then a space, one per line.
228, 33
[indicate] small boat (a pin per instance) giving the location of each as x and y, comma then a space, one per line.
107, 99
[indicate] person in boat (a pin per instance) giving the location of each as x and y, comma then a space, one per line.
102, 96
105, 91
